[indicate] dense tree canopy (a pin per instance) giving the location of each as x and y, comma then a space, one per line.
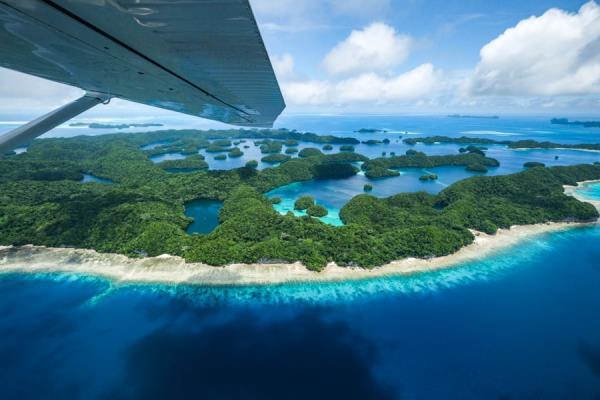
384, 166
304, 203
317, 211
142, 212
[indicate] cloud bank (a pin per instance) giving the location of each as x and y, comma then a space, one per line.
557, 53
546, 62
360, 70
377, 47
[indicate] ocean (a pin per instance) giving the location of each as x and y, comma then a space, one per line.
520, 323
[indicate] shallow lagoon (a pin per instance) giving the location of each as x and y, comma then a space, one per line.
93, 178
167, 156
205, 214
590, 191
333, 194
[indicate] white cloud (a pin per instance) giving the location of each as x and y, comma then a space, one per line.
370, 88
307, 93
377, 47
557, 53
26, 97
21, 92
283, 66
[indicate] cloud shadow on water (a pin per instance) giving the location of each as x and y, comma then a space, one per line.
298, 358
590, 355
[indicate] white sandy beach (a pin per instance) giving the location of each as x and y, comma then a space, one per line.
174, 270
573, 191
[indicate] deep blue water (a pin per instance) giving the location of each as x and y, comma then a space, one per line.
507, 127
520, 324
205, 214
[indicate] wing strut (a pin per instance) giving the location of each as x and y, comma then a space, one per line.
26, 133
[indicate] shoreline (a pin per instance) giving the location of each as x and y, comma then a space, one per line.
166, 269
573, 191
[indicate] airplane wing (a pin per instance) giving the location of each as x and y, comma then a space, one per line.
200, 57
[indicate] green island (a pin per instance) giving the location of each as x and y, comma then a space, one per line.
371, 130
97, 125
42, 202
193, 162
533, 164
269, 146
513, 144
585, 124
215, 148
317, 211
190, 141
384, 166
235, 152
304, 203
428, 177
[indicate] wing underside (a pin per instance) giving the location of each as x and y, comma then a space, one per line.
199, 57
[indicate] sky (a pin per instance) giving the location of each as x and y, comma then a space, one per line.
407, 57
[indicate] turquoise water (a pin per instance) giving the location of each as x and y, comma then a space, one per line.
205, 214
167, 156
590, 191
519, 324
334, 194
92, 178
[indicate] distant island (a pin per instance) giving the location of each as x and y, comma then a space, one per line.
585, 124
371, 130
473, 116
513, 144
96, 125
